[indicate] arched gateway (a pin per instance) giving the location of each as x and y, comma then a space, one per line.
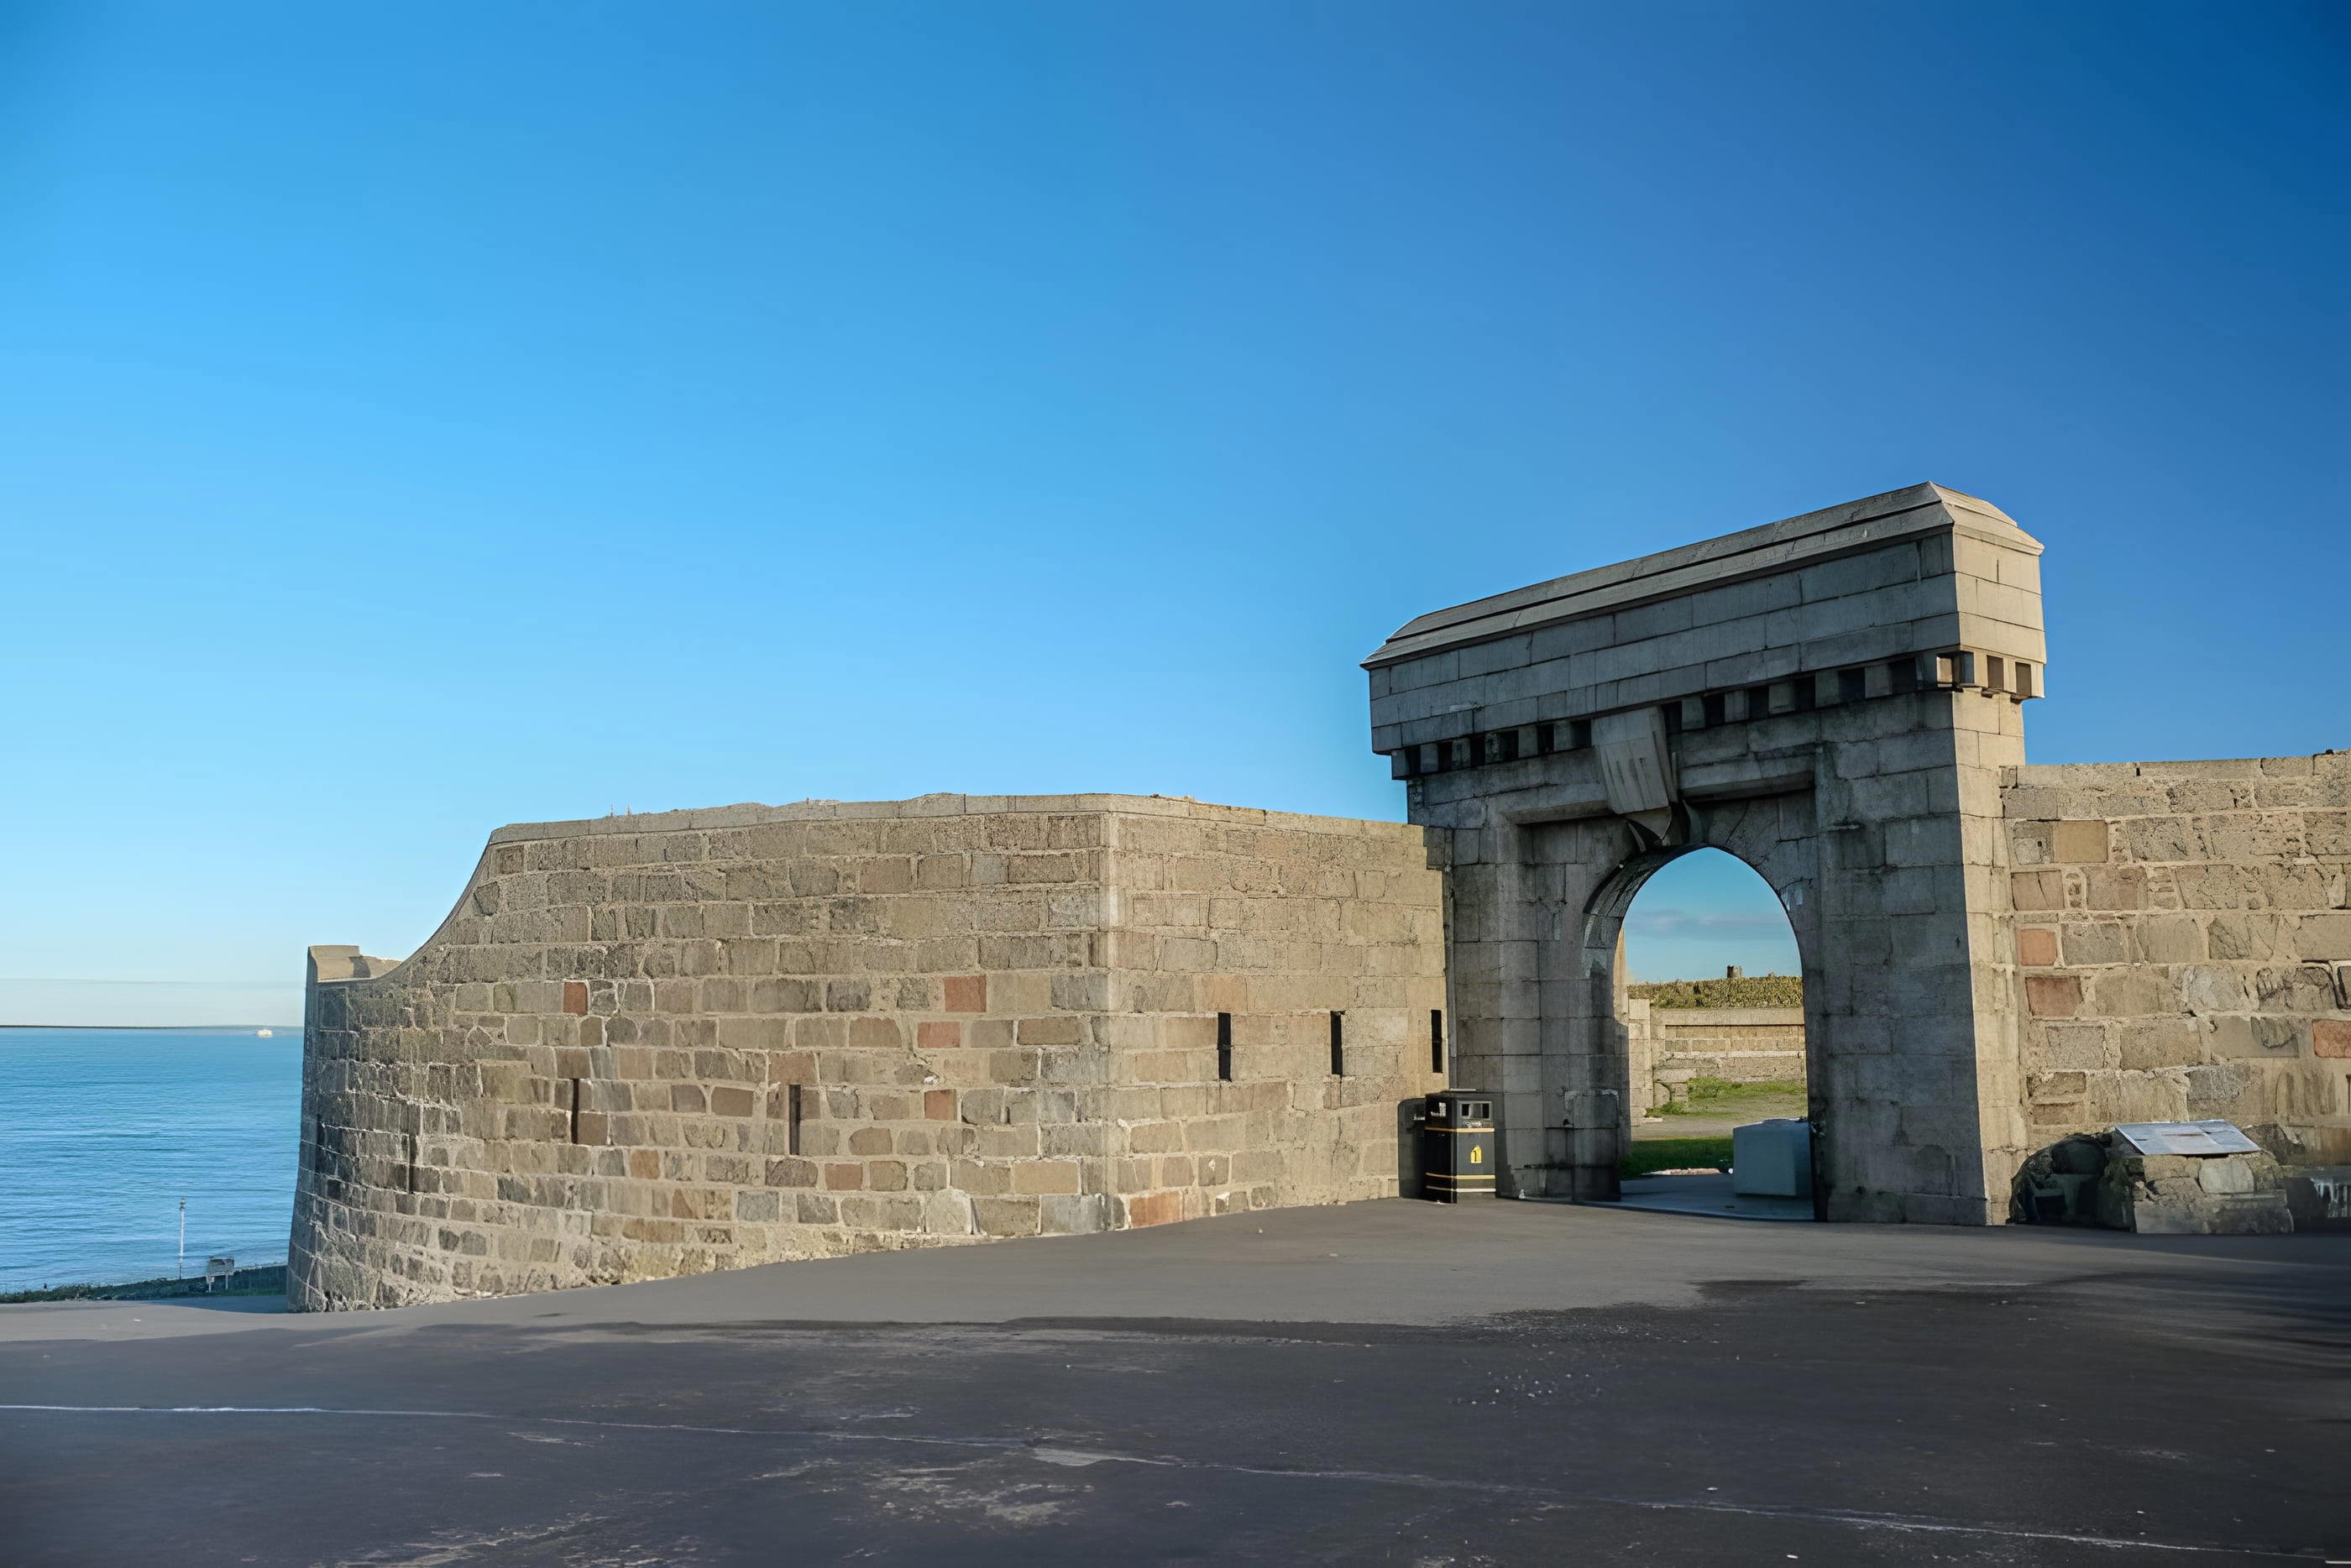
1831, 699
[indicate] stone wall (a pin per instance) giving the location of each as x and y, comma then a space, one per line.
652, 1045
2183, 946
1669, 1046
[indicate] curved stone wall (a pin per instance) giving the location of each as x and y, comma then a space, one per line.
650, 1046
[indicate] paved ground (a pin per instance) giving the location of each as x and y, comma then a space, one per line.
1722, 1115
1709, 1194
1389, 1382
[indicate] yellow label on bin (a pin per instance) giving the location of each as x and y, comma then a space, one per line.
1477, 1154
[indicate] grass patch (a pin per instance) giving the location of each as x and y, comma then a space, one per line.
1652, 1154
267, 1281
1748, 991
1723, 1096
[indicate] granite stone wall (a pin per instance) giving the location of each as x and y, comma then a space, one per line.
2182, 937
652, 1045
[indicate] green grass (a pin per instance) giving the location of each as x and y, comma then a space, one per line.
1676, 1154
268, 1280
1723, 1097
1748, 991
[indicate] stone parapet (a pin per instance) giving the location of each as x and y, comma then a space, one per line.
659, 1044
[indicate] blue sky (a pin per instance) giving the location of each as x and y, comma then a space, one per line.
428, 417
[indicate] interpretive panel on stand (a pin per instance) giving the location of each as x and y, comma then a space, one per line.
2186, 1138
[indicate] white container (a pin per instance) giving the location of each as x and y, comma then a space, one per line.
1773, 1159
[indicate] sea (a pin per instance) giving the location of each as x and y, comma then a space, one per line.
105, 1132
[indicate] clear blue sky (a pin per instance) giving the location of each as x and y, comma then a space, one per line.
425, 417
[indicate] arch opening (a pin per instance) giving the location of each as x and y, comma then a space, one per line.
1695, 962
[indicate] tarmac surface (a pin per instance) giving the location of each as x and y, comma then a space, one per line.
1391, 1383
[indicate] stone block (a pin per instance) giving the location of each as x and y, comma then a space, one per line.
2054, 996
2149, 1044
2302, 988
2168, 938
2037, 889
2077, 842
2128, 991
1006, 1216
2225, 1176
2096, 942
1153, 1209
2324, 937
2083, 1045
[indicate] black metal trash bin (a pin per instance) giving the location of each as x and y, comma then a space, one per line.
1457, 1147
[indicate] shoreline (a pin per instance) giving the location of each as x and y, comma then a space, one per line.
166, 1028
257, 1279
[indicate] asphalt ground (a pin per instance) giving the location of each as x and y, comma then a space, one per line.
1385, 1382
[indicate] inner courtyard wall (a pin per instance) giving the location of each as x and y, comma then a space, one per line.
650, 1046
1669, 1046
2182, 937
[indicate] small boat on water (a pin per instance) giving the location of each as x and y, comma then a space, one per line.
265, 1035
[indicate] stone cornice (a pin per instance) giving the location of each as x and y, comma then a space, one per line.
1832, 532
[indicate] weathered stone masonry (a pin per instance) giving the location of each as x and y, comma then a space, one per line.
650, 1046
1995, 954
1831, 697
2183, 946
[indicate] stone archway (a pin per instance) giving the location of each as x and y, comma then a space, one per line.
1831, 699
1596, 1095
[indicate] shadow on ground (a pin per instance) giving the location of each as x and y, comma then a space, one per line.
1615, 1388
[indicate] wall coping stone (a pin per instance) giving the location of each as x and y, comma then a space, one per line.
2030, 775
1853, 526
751, 814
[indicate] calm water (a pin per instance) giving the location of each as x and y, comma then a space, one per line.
103, 1131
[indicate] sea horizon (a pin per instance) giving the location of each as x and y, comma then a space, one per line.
158, 1028
106, 1130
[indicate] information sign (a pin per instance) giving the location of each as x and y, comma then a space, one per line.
2186, 1138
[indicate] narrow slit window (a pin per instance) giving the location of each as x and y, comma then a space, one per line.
791, 1118
1436, 1040
575, 1110
1338, 1045
1225, 1047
